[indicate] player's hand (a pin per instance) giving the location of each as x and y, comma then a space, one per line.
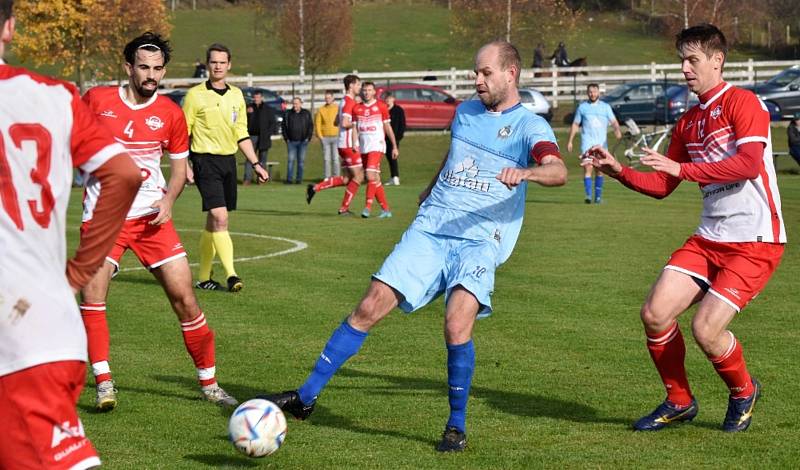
660, 162
602, 159
395, 153
164, 211
569, 147
263, 176
189, 174
512, 177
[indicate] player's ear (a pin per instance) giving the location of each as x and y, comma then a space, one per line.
128, 68
8, 30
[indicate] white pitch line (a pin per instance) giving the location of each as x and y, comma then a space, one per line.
298, 246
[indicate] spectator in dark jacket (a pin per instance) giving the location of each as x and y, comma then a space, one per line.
298, 128
794, 138
398, 123
261, 124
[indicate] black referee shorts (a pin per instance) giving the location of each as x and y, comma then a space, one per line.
215, 177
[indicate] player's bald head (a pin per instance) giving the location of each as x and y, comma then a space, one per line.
506, 54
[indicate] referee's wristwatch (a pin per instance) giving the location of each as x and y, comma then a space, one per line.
257, 164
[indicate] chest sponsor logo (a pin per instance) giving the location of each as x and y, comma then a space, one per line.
154, 123
505, 132
109, 114
465, 174
716, 112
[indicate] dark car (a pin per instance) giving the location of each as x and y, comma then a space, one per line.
271, 98
679, 99
426, 107
782, 90
636, 100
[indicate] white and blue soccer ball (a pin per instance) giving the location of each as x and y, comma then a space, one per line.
257, 428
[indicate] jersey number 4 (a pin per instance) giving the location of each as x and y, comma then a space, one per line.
128, 130
41, 137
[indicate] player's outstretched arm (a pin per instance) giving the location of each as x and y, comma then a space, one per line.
550, 171
120, 179
657, 184
177, 181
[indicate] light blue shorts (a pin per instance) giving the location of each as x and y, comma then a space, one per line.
424, 266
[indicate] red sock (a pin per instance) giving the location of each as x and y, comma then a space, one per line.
328, 183
349, 194
199, 341
380, 195
733, 370
371, 186
94, 320
668, 352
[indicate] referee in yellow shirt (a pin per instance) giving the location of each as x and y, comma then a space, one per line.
217, 119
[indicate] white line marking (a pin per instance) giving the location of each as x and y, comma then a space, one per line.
298, 246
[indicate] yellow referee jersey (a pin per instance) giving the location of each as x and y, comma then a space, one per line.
217, 123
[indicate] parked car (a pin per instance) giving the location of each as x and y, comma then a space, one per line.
782, 90
272, 99
679, 99
636, 100
426, 107
532, 100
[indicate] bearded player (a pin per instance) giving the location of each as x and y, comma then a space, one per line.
147, 124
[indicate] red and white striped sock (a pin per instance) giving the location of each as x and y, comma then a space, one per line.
380, 195
96, 325
327, 183
668, 352
371, 187
349, 194
733, 370
199, 341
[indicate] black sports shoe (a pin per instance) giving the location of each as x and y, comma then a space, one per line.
310, 193
453, 440
235, 284
740, 410
290, 401
209, 284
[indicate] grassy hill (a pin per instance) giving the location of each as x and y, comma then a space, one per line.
410, 35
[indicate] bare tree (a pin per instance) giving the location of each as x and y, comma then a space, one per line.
320, 37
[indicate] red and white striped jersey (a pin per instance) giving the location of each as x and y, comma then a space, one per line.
369, 119
146, 130
45, 131
747, 210
346, 135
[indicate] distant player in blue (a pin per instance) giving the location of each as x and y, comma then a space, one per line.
468, 222
593, 117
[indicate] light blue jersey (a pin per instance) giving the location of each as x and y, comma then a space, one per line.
467, 201
594, 119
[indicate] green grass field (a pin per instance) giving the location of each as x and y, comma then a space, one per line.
562, 370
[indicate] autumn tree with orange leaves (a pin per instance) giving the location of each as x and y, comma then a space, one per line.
84, 38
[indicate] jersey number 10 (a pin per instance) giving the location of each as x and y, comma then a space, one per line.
41, 137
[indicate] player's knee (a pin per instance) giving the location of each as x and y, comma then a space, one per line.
705, 335
654, 320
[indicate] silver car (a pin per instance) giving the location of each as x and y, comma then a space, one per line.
533, 101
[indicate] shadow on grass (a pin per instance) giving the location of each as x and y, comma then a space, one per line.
223, 460
515, 403
269, 212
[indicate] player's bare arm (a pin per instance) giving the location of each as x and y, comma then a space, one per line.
573, 129
246, 146
550, 172
617, 130
390, 133
177, 181
424, 194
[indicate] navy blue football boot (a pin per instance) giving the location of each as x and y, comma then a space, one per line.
665, 414
740, 410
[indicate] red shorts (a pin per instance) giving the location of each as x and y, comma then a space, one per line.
154, 245
41, 428
350, 158
734, 272
374, 161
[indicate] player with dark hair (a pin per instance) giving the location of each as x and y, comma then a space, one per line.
45, 131
147, 124
724, 145
469, 220
216, 115
372, 122
348, 149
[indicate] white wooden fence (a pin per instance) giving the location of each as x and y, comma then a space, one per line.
554, 83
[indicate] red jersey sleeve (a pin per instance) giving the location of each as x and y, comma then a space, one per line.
349, 107
657, 184
91, 144
178, 146
384, 111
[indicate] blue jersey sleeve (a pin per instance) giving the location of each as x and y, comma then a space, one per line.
578, 115
610, 113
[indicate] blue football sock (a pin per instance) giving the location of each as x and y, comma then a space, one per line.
344, 344
598, 187
460, 366
587, 186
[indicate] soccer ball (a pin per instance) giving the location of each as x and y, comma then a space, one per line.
257, 427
